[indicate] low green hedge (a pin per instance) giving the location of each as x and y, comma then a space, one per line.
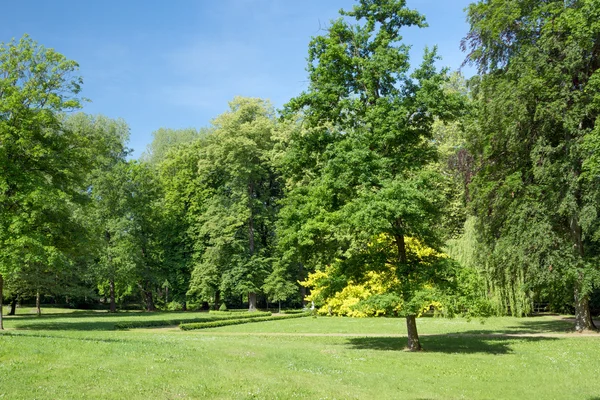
239, 313
238, 321
170, 322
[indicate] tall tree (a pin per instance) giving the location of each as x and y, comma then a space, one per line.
358, 170
535, 193
42, 162
241, 190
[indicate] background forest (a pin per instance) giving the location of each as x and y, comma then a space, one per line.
388, 187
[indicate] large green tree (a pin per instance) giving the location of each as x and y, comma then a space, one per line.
359, 180
536, 192
42, 162
240, 191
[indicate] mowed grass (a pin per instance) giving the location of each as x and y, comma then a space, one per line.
297, 358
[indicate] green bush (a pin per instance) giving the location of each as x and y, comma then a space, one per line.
223, 307
213, 316
238, 321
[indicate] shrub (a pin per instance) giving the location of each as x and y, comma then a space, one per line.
223, 307
172, 322
237, 321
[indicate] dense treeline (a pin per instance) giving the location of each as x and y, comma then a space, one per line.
384, 188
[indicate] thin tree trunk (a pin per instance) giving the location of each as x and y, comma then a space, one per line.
1, 295
13, 305
413, 337
113, 303
37, 304
302, 288
252, 302
217, 300
279, 306
149, 301
411, 322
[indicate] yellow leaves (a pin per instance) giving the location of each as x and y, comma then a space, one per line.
352, 300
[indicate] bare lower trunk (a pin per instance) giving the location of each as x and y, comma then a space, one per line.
583, 317
1, 294
149, 301
13, 306
37, 304
113, 304
252, 301
279, 306
302, 288
413, 337
217, 300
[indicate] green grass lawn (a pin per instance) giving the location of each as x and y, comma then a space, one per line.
79, 355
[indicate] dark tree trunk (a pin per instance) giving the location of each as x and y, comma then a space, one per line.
413, 337
252, 301
113, 304
13, 305
149, 301
217, 300
37, 304
184, 306
279, 306
411, 322
583, 317
1, 295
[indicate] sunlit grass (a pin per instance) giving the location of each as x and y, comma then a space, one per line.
239, 362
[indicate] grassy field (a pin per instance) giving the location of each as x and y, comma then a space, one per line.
80, 355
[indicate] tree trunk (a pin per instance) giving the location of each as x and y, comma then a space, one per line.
583, 317
413, 337
37, 304
113, 304
13, 305
149, 301
279, 306
1, 295
217, 300
252, 302
302, 288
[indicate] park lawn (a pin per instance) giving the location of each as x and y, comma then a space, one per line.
237, 362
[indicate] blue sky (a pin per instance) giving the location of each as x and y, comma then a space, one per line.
177, 63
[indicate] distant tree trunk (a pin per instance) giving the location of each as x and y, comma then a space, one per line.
37, 303
149, 301
583, 317
217, 300
1, 294
279, 306
184, 306
302, 288
411, 323
13, 305
252, 301
113, 304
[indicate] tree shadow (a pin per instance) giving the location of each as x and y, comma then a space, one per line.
529, 326
103, 321
453, 343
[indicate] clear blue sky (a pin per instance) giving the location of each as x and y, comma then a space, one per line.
176, 64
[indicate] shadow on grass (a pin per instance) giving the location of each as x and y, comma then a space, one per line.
97, 321
530, 325
445, 343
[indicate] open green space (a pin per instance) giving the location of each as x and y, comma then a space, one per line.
323, 357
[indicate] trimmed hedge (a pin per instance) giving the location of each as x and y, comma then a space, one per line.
171, 322
237, 321
294, 311
240, 312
